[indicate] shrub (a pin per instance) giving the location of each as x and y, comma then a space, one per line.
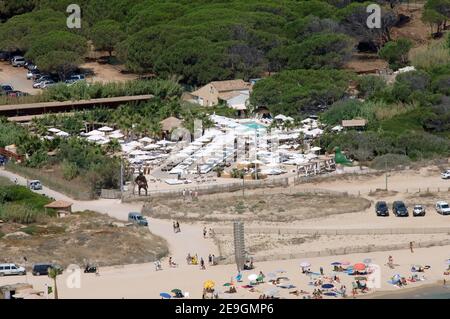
370, 85
21, 214
396, 53
390, 161
429, 57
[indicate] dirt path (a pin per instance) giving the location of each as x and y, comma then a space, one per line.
189, 240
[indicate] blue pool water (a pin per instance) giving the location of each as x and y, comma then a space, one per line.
254, 125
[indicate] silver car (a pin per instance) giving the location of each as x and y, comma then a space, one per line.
11, 269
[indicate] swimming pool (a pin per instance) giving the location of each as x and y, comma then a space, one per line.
254, 125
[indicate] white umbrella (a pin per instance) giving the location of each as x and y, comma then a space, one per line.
151, 147
103, 141
116, 135
252, 277
305, 264
95, 132
95, 138
106, 129
62, 134
54, 130
315, 149
146, 140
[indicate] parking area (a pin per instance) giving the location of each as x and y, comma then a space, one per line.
16, 77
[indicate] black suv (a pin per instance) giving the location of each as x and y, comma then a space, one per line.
381, 208
42, 269
399, 209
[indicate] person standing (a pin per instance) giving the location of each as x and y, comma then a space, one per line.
202, 264
174, 227
184, 194
204, 232
178, 227
321, 271
411, 246
210, 260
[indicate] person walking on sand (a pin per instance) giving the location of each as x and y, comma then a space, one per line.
204, 232
174, 227
411, 246
184, 194
178, 227
321, 271
202, 264
210, 261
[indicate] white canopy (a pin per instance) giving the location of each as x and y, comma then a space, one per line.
315, 149
54, 130
116, 135
106, 129
152, 147
95, 132
95, 138
146, 140
62, 134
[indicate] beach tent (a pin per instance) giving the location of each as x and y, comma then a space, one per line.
62, 134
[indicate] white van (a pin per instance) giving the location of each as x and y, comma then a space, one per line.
11, 269
18, 61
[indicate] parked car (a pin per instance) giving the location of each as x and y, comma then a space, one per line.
18, 61
399, 209
5, 56
30, 66
34, 185
6, 88
418, 210
32, 74
75, 78
446, 174
43, 84
43, 268
138, 219
11, 269
443, 208
381, 208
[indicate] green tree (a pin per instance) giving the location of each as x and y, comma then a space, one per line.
106, 35
396, 53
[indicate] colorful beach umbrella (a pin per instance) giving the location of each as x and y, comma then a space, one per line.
176, 291
227, 284
336, 263
359, 266
209, 284
165, 295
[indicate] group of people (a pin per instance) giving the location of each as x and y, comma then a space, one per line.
176, 227
248, 265
193, 260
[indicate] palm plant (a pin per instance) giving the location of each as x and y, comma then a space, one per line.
53, 273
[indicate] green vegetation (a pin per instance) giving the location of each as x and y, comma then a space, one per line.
300, 92
396, 53
20, 205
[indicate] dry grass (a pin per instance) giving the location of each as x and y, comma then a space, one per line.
79, 238
267, 207
430, 56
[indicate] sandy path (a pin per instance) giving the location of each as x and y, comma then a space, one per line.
189, 240
17, 77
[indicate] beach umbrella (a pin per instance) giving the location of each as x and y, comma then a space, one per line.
331, 294
305, 264
209, 284
359, 266
336, 263
176, 291
227, 284
252, 277
327, 286
165, 295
